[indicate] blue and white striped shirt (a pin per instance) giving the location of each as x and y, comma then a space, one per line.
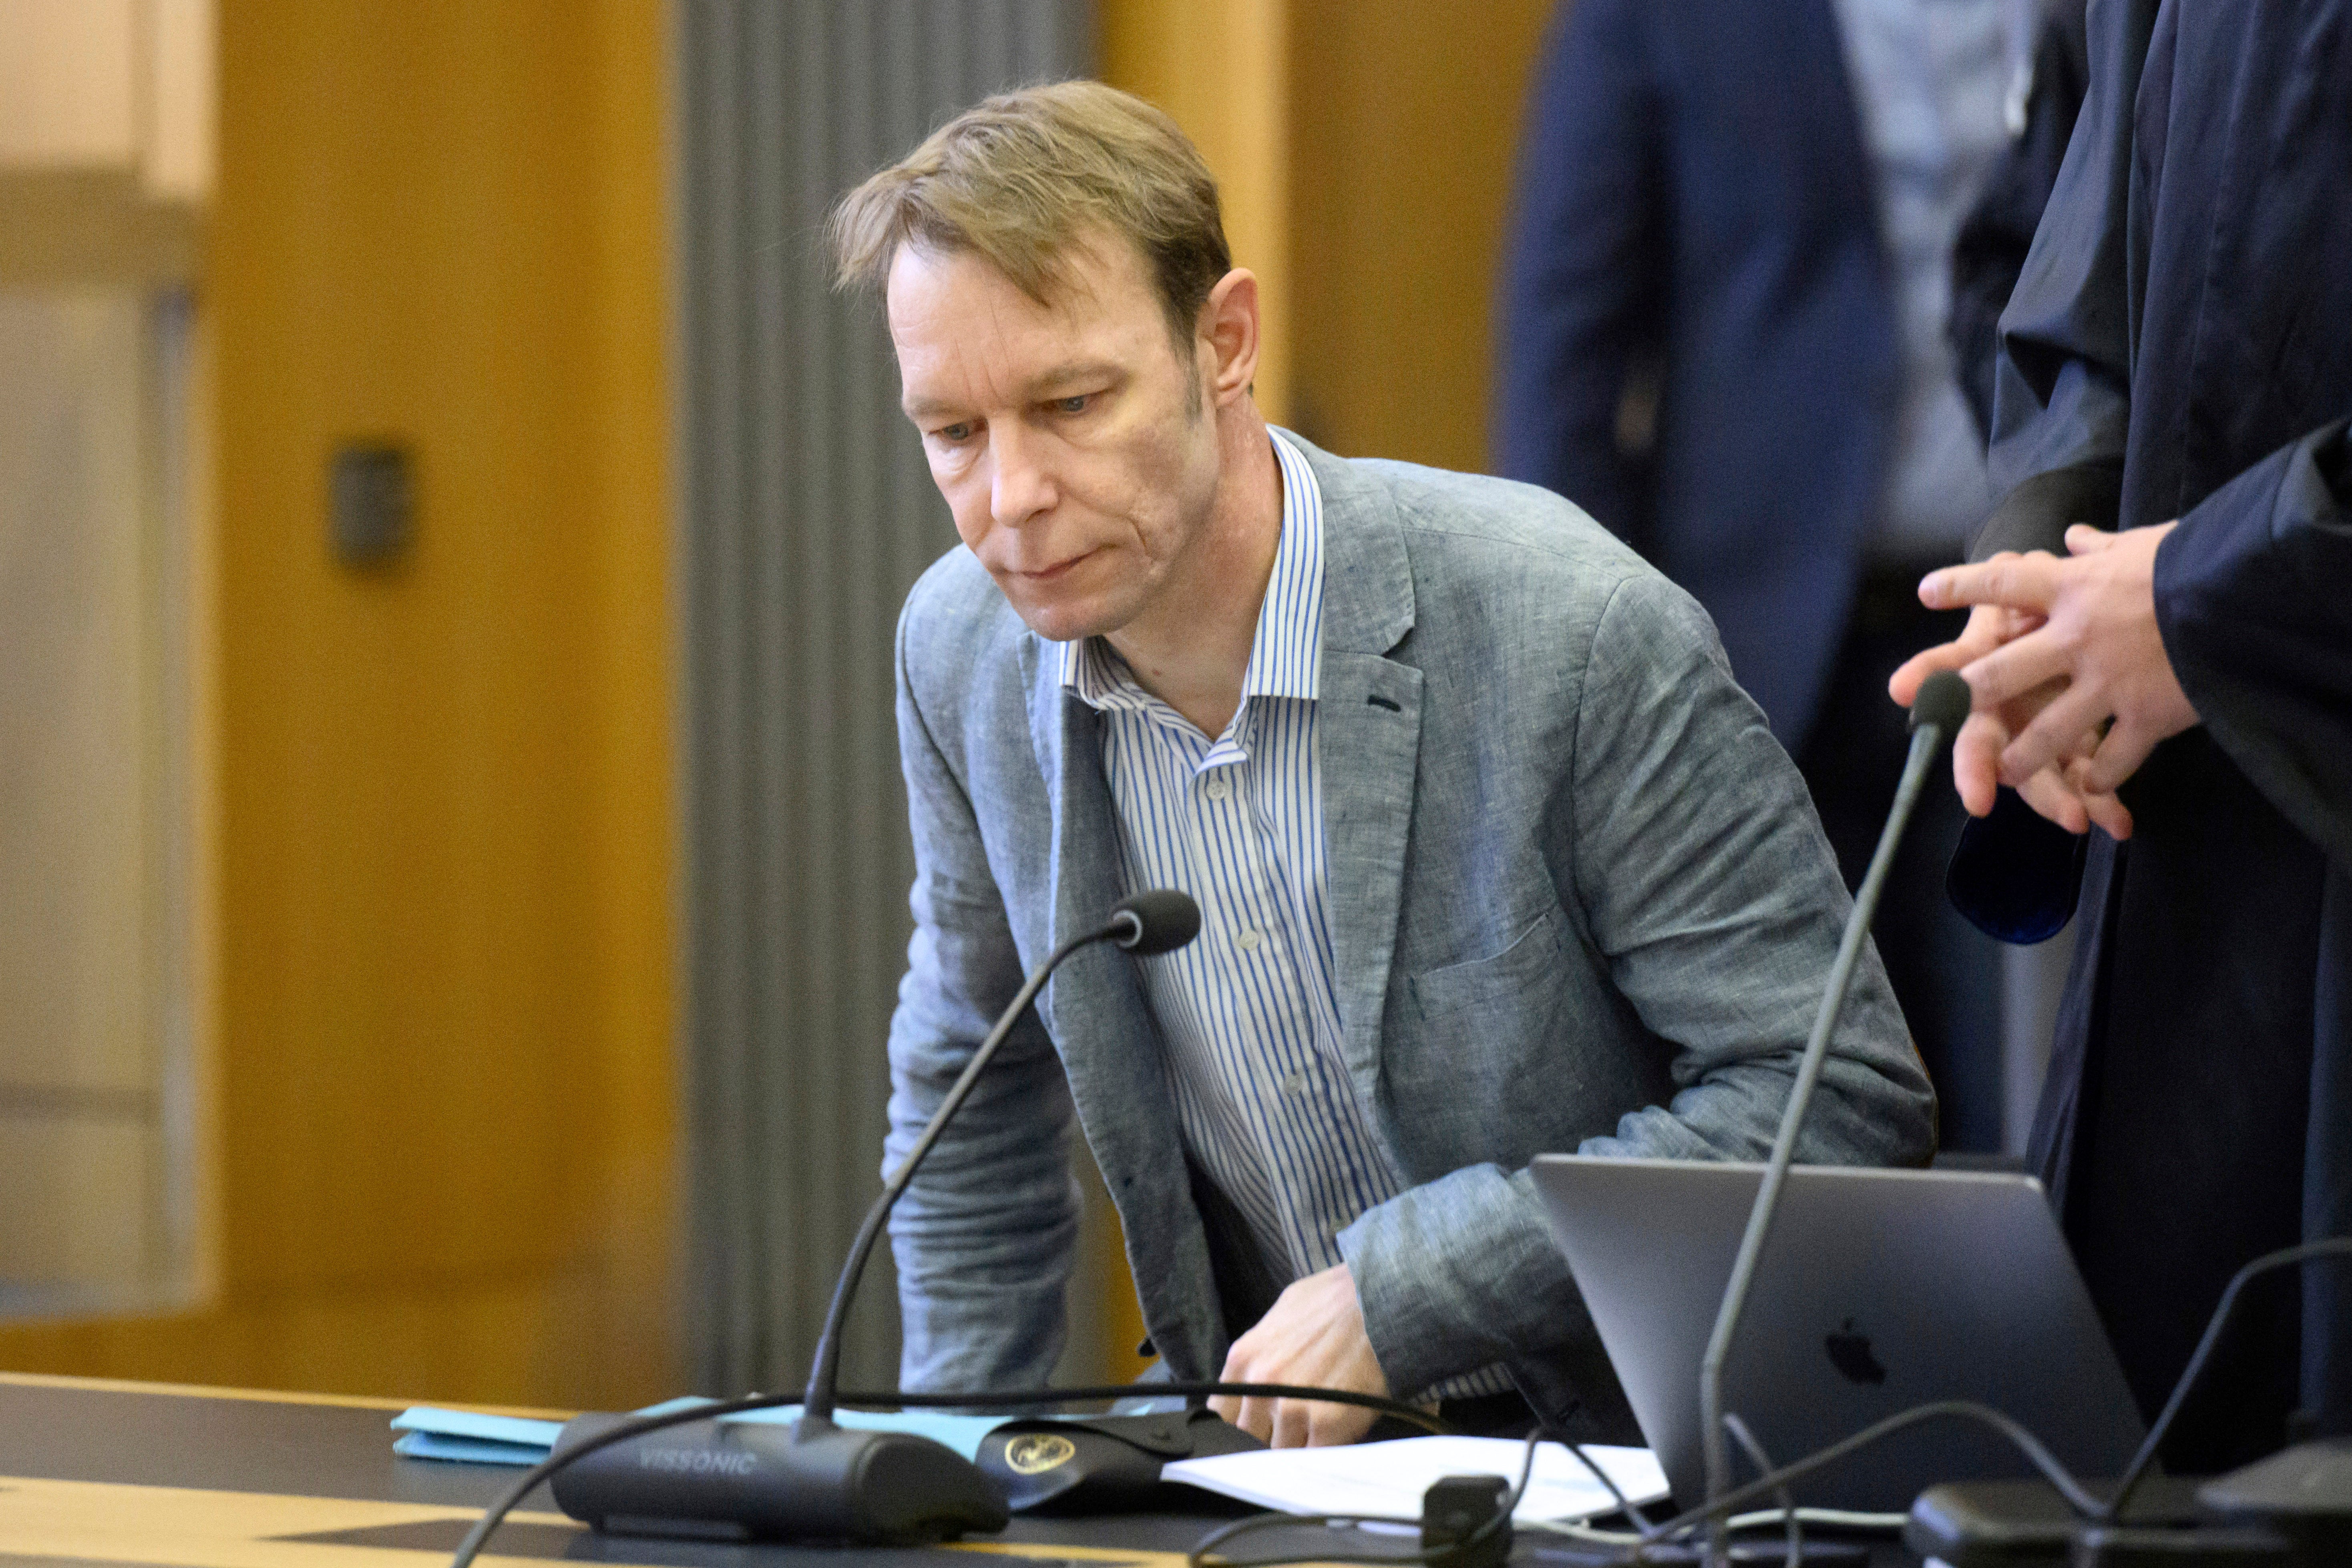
1251, 1011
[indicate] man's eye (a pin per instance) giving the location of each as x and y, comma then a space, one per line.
953, 432
1074, 405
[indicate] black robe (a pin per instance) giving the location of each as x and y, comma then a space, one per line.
2180, 346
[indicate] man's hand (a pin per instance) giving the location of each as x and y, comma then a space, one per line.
1313, 1334
2094, 674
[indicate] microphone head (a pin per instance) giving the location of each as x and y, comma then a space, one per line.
1943, 701
1159, 921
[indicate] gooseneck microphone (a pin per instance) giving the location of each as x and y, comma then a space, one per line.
1150, 922
815, 1480
1938, 710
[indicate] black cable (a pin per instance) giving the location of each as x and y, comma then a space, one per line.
1625, 1505
2026, 1443
1554, 1433
1763, 1463
641, 1425
1778, 1481
2334, 1247
1199, 1556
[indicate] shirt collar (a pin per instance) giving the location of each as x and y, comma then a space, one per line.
1286, 653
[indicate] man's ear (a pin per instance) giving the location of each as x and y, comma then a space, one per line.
1228, 337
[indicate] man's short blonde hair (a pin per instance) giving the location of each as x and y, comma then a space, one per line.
1018, 178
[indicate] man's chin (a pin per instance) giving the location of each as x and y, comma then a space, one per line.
1066, 622
1065, 628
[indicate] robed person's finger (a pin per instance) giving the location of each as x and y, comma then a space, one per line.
2048, 794
1976, 761
2110, 815
2081, 539
2017, 667
1913, 672
2066, 726
2107, 812
2119, 756
2028, 582
1989, 625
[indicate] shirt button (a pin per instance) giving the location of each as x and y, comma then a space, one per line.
1296, 1083
1216, 789
1247, 940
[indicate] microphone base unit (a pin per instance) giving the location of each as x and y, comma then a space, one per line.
2292, 1509
2025, 1523
744, 1480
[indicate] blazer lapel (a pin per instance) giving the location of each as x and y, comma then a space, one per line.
1082, 853
1368, 728
1082, 861
1093, 1007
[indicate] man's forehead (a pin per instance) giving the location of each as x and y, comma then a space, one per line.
955, 314
1089, 276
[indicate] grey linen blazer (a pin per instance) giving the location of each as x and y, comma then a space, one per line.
1579, 901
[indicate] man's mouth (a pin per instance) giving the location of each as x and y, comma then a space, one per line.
1049, 573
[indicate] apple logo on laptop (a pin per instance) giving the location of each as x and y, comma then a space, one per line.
1850, 1353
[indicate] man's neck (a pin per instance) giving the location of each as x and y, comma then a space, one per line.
1193, 651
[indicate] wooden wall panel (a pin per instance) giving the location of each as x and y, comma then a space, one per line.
1221, 69
444, 816
1403, 134
1365, 151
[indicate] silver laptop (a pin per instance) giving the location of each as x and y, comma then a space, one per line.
1877, 1291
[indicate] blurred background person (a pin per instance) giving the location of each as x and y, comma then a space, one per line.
2040, 110
1722, 334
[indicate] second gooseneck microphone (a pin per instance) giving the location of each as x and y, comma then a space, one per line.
815, 1480
1937, 713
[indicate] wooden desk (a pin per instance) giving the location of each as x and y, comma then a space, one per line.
98, 1475
103, 1475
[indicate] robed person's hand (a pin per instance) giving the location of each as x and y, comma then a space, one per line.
1976, 750
2096, 664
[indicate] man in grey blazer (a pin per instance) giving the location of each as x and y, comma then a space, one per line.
1493, 856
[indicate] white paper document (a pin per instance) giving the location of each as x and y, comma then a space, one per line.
1387, 1479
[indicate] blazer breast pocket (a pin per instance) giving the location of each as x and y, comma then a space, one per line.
1510, 1000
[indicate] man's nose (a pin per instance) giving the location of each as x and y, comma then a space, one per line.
1023, 486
